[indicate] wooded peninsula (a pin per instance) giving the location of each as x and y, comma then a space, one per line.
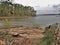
9, 9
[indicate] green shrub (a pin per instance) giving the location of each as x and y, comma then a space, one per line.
49, 36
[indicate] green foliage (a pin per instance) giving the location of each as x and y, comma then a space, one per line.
9, 9
2, 34
7, 23
49, 36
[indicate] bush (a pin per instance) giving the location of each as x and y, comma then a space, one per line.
49, 36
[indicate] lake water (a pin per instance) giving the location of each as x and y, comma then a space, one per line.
38, 20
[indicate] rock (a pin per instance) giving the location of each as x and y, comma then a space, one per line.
14, 34
49, 26
23, 35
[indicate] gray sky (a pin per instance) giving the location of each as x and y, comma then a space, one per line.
41, 3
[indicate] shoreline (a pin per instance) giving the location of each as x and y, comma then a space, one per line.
1, 17
26, 27
27, 35
23, 35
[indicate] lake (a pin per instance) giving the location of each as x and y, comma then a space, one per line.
41, 21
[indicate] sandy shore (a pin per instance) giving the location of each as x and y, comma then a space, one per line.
8, 17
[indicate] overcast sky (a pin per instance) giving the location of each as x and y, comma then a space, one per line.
41, 3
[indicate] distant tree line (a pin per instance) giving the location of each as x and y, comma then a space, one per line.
7, 8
